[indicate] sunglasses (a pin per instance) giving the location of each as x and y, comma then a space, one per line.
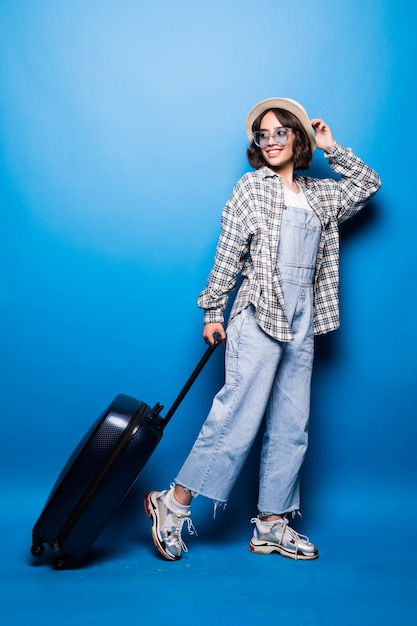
279, 136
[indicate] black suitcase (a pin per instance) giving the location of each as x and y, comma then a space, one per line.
99, 474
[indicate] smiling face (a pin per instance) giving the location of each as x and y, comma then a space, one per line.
278, 157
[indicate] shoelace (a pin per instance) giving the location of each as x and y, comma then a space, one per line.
283, 524
176, 531
190, 528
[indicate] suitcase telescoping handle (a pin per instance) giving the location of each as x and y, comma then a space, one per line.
190, 381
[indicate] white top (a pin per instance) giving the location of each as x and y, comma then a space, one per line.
297, 200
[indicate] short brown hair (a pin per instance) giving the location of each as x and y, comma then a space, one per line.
302, 146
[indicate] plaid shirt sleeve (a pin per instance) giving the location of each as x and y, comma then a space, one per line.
231, 251
357, 185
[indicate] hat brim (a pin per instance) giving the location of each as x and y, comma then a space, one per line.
281, 103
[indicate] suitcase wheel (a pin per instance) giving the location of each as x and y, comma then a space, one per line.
37, 549
62, 562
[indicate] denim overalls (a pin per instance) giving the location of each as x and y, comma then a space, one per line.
264, 377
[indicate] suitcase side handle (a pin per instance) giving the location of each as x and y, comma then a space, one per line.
191, 380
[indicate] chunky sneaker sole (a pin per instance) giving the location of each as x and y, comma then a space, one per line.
265, 547
152, 511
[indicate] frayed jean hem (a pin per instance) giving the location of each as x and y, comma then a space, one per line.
195, 494
293, 513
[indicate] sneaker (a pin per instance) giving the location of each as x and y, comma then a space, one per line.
279, 538
167, 523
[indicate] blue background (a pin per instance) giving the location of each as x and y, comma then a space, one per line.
121, 137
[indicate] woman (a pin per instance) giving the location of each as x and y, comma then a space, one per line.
280, 232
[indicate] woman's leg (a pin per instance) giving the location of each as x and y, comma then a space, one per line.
230, 429
286, 431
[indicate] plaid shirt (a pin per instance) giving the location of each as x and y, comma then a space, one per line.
249, 239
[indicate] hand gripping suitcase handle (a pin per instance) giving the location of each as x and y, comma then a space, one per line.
190, 381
